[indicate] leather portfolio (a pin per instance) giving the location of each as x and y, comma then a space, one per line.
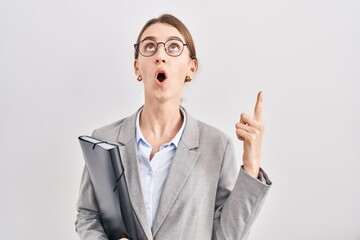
106, 172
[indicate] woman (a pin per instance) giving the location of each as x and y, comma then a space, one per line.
184, 181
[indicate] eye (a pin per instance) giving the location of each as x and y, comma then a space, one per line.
174, 47
150, 47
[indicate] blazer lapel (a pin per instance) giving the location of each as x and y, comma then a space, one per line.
184, 160
128, 155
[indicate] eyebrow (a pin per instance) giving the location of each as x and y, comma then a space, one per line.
169, 38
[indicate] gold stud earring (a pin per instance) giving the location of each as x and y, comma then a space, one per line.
139, 78
188, 79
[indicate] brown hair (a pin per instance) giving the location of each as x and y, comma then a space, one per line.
175, 22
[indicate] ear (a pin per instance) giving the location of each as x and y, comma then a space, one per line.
193, 68
136, 68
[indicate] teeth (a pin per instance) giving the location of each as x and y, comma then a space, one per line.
161, 77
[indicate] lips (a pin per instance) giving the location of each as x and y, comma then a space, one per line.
161, 76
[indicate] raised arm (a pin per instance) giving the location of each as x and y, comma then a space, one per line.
237, 208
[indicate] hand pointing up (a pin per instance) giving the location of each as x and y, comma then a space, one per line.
250, 130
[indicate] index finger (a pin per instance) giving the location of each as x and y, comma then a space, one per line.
258, 105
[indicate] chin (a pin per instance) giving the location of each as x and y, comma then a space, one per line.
166, 97
162, 98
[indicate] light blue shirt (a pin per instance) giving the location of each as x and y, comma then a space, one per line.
154, 173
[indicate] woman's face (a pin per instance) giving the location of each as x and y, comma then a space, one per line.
153, 69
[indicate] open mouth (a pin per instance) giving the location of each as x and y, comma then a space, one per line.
161, 77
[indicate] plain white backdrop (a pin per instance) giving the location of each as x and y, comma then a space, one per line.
66, 67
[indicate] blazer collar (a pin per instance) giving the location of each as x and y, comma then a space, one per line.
183, 163
128, 155
128, 129
190, 136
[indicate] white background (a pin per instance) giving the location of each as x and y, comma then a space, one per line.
66, 67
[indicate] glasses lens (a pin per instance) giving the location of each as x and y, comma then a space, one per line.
174, 47
147, 48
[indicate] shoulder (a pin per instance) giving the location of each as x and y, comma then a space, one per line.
110, 132
209, 136
213, 144
109, 127
207, 130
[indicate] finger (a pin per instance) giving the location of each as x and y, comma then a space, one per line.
243, 135
244, 118
258, 105
247, 120
246, 128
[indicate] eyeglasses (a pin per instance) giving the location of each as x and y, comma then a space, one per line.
148, 47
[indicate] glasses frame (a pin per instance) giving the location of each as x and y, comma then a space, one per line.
136, 46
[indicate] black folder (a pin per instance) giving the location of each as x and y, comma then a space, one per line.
107, 176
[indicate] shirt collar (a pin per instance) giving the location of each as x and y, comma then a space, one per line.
175, 140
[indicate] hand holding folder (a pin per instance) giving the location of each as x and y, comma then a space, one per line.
107, 176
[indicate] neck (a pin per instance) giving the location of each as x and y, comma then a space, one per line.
161, 119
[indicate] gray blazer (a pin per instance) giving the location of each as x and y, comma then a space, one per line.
205, 195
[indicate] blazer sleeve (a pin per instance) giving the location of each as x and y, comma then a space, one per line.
237, 205
88, 223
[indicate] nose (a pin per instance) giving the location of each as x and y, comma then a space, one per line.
160, 55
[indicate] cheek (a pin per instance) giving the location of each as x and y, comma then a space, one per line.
144, 67
183, 67
179, 72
